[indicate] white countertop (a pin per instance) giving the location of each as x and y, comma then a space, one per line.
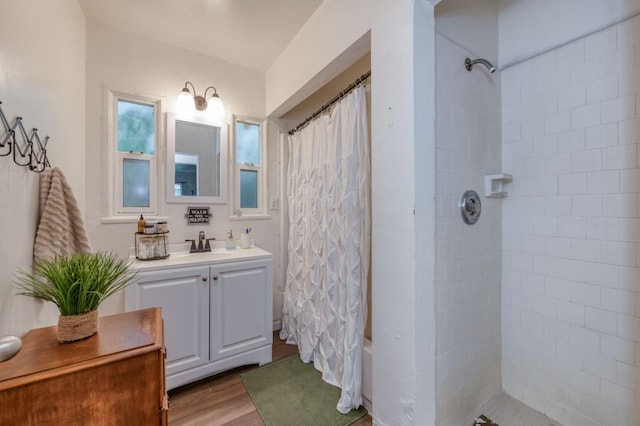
178, 257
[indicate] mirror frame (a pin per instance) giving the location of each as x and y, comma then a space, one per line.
171, 155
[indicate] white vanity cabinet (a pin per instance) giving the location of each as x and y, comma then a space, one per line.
240, 320
183, 295
217, 314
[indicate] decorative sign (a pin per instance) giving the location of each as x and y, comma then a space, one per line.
197, 215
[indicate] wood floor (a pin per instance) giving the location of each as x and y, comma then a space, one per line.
223, 399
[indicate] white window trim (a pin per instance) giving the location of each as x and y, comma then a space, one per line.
235, 212
116, 214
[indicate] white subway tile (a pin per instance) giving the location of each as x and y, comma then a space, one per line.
587, 205
588, 250
557, 122
545, 225
628, 278
556, 164
571, 141
619, 301
574, 183
600, 136
617, 348
569, 355
629, 131
628, 327
628, 376
602, 228
574, 97
556, 329
619, 157
559, 289
602, 274
629, 229
620, 205
586, 161
585, 339
619, 253
532, 322
533, 244
557, 247
618, 109
603, 90
569, 269
600, 365
629, 83
572, 227
587, 116
544, 185
546, 145
629, 180
600, 320
558, 205
585, 294
602, 182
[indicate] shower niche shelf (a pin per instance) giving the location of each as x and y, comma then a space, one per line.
495, 185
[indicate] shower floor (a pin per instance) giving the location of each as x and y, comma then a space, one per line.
507, 411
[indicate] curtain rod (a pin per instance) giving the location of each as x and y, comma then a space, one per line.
339, 96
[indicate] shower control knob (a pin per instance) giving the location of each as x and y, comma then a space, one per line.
204, 279
470, 207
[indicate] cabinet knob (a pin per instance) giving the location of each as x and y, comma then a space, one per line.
204, 278
215, 278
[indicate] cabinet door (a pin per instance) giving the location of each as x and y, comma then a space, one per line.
183, 295
241, 307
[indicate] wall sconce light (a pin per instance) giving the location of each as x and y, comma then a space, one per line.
188, 102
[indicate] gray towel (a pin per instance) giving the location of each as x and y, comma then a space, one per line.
61, 231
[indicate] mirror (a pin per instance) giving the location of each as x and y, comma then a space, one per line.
196, 160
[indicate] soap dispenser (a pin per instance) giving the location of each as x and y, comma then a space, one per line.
231, 243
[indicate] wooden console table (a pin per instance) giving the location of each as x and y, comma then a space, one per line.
115, 377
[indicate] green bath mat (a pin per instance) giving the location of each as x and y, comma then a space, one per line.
291, 393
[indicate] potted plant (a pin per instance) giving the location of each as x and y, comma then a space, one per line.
77, 284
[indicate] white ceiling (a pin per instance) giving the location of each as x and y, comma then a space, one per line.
250, 33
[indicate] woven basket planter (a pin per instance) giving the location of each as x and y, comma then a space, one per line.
77, 327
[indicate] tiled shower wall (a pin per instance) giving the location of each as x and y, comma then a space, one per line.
571, 230
468, 257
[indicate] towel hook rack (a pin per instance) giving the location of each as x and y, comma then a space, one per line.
28, 149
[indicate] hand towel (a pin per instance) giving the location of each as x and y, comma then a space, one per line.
61, 230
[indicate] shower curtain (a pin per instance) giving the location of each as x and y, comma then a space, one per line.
328, 187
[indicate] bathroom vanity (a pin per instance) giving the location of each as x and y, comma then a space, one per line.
216, 306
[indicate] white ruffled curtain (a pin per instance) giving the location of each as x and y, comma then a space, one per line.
328, 189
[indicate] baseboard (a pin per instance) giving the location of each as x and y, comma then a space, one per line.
277, 325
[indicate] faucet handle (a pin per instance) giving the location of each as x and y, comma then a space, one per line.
207, 246
192, 249
201, 235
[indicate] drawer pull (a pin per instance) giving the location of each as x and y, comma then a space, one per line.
215, 278
204, 278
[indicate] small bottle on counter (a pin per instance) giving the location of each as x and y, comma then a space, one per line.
141, 224
231, 243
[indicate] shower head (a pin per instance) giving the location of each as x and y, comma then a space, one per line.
468, 64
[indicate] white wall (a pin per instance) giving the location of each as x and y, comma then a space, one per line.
42, 80
531, 27
130, 63
402, 53
571, 228
467, 256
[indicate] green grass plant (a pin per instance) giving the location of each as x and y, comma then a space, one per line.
79, 283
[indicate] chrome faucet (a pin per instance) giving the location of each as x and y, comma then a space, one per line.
202, 247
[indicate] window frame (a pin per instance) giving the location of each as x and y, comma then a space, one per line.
261, 211
116, 158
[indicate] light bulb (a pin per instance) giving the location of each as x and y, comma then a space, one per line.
185, 103
215, 108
